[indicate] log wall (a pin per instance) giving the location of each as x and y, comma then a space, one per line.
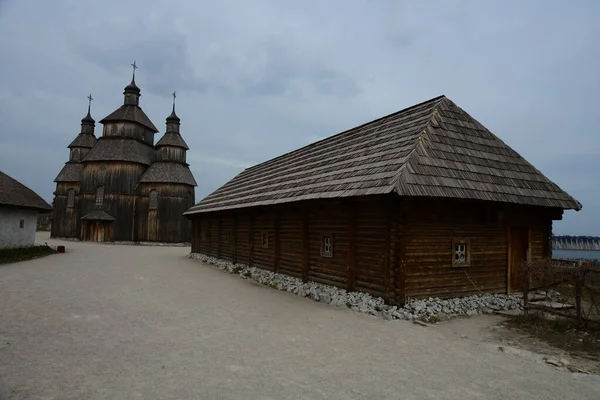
164, 224
432, 225
390, 247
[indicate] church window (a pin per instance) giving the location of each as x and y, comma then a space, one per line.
100, 196
71, 198
114, 130
153, 199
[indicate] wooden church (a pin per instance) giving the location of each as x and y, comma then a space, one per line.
422, 202
122, 186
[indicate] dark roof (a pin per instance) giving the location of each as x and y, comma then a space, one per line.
173, 117
71, 172
13, 193
84, 140
169, 172
130, 113
132, 87
120, 149
98, 215
88, 120
432, 149
172, 139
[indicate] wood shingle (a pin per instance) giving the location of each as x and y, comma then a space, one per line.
432, 149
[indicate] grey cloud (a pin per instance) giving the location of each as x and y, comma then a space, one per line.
164, 60
286, 72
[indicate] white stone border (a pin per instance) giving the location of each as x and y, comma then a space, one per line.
431, 309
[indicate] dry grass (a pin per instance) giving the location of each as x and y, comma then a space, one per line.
561, 333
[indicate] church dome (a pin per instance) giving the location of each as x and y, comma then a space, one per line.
132, 87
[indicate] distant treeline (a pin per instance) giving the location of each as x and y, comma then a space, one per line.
567, 242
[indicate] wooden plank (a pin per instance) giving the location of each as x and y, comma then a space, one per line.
393, 259
351, 247
401, 272
305, 245
508, 261
219, 235
251, 241
234, 237
387, 264
276, 243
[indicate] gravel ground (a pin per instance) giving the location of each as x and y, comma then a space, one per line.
140, 322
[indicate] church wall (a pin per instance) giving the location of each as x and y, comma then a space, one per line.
129, 130
120, 180
65, 220
165, 223
115, 176
171, 154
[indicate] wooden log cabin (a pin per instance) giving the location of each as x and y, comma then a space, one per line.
423, 202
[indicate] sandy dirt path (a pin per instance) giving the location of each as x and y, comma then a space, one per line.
139, 322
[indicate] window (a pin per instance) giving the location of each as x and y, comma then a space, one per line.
327, 245
153, 199
461, 253
227, 237
22, 224
71, 198
204, 234
114, 130
100, 196
264, 239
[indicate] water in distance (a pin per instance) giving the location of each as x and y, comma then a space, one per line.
577, 254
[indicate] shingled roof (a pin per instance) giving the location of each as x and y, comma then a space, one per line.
71, 172
130, 113
87, 140
168, 172
98, 215
120, 149
172, 139
433, 149
14, 194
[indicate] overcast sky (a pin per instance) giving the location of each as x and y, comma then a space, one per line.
259, 78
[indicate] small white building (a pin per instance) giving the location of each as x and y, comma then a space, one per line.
19, 210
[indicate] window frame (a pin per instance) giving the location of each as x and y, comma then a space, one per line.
323, 250
264, 239
467, 252
99, 201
